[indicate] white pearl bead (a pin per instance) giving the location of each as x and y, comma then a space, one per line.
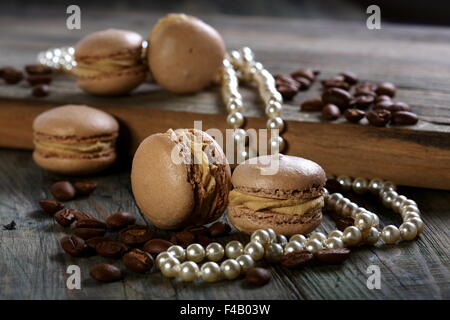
255, 250
348, 209
419, 224
246, 262
409, 215
409, 202
178, 252
234, 249
189, 271
215, 251
281, 239
375, 220
210, 272
313, 245
335, 234
375, 185
363, 221
352, 236
274, 252
332, 199
389, 197
161, 257
239, 135
360, 185
358, 211
318, 236
408, 230
390, 234
389, 185
299, 238
275, 98
235, 120
261, 236
293, 246
398, 203
406, 209
230, 269
195, 252
345, 182
272, 234
340, 204
371, 235
234, 106
275, 123
274, 109
170, 267
276, 144
333, 243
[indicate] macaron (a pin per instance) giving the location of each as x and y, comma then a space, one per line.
184, 54
281, 192
180, 178
74, 140
110, 62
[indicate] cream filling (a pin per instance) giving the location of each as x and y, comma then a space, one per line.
103, 66
290, 206
78, 148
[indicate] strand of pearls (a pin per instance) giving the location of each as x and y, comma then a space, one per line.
241, 65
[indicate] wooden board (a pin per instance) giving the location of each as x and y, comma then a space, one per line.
415, 58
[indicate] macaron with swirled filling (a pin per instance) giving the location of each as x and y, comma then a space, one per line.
281, 192
110, 62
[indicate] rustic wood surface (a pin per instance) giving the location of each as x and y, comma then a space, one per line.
33, 266
415, 58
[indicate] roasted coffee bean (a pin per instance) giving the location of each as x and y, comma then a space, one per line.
366, 87
354, 115
338, 97
34, 80
378, 117
312, 105
349, 77
37, 69
333, 186
304, 83
63, 191
88, 233
90, 223
65, 217
12, 75
93, 242
332, 83
85, 188
79, 215
41, 90
106, 273
304, 73
74, 246
111, 249
285, 79
287, 91
138, 261
382, 98
257, 276
121, 220
296, 259
344, 222
218, 229
135, 235
386, 89
331, 112
385, 104
332, 256
404, 118
51, 206
184, 238
363, 101
157, 246
399, 106
197, 230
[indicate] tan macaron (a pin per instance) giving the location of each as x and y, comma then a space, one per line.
281, 192
173, 190
110, 62
74, 140
185, 54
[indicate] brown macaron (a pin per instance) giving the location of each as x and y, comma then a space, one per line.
74, 140
171, 188
185, 54
110, 62
281, 192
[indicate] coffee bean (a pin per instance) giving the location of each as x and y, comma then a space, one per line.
285, 79
382, 98
304, 83
344, 222
79, 215
332, 256
386, 89
363, 101
404, 118
40, 90
203, 240
90, 223
93, 242
287, 91
138, 261
51, 206
399, 106
354, 115
12, 75
111, 249
332, 83
296, 259
65, 217
184, 238
378, 117
385, 104
257, 276
34, 80
333, 186
338, 97
85, 188
37, 69
121, 220
157, 246
135, 235
197, 230
219, 229
331, 112
366, 87
89, 228
74, 246
63, 191
106, 273
312, 105
349, 77
304, 73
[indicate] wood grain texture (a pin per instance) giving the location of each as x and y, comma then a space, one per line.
32, 264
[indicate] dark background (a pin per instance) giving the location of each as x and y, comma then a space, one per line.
435, 12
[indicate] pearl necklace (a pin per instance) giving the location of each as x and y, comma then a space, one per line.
265, 243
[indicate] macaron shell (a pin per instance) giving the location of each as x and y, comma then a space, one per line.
159, 185
248, 221
74, 166
184, 53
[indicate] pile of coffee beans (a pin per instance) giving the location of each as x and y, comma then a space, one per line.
38, 77
290, 84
